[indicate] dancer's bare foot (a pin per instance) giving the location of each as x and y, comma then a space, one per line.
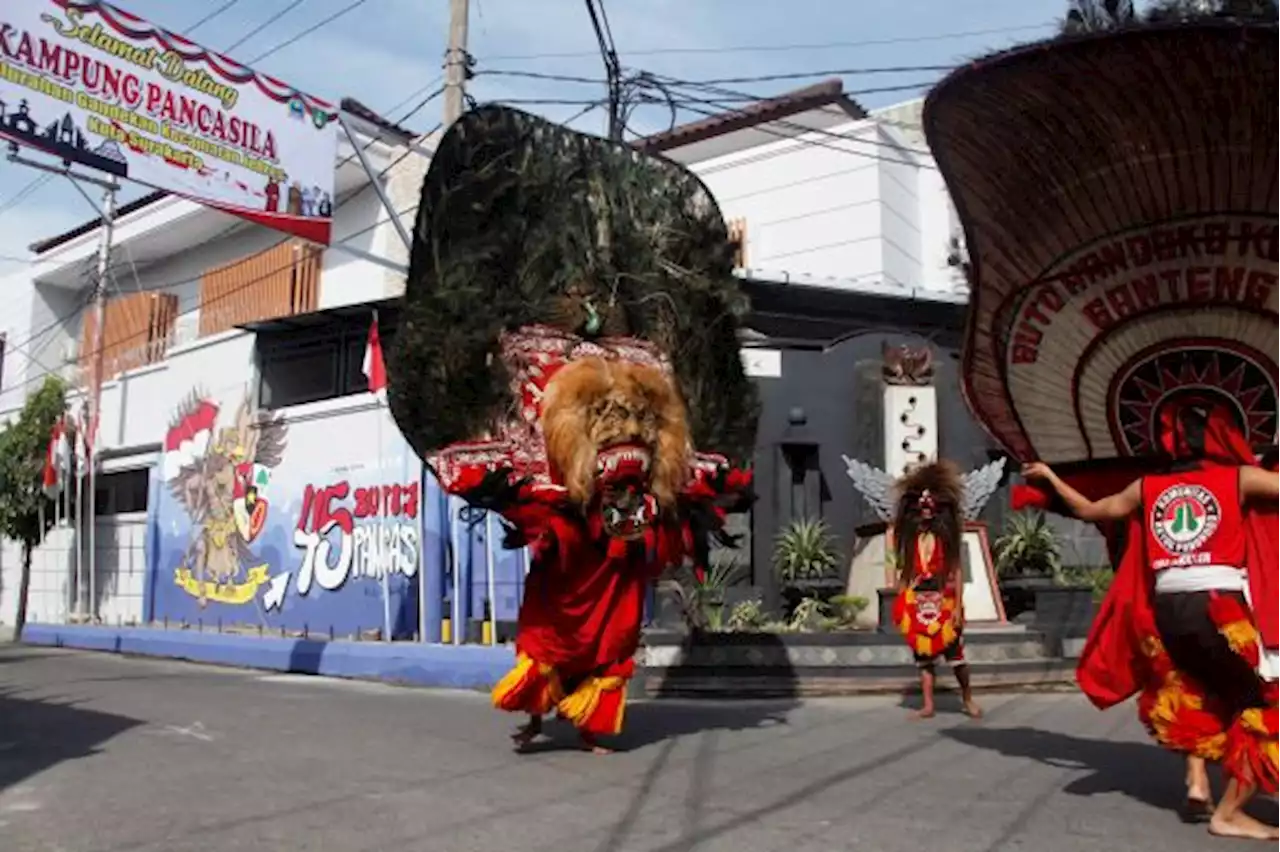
971, 709
923, 713
1243, 826
526, 734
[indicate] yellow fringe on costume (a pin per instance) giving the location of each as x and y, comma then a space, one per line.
1176, 718
530, 687
1241, 635
583, 706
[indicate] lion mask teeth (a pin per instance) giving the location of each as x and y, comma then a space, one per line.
608, 461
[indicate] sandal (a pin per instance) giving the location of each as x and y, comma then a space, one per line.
1195, 811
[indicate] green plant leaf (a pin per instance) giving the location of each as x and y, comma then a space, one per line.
805, 550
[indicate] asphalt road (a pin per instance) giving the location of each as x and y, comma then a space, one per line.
104, 753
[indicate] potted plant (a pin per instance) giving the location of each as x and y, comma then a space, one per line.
1068, 607
805, 559
1028, 557
700, 593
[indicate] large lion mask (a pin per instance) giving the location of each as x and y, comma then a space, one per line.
617, 439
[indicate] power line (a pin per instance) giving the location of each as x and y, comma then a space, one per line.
718, 101
778, 48
612, 68
801, 131
172, 284
26, 192
795, 75
209, 17
235, 290
349, 158
350, 7
535, 75
262, 26
836, 72
725, 98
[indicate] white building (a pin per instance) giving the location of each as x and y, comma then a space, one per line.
185, 280
824, 192
817, 190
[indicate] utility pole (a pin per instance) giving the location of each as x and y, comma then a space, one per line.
95, 390
457, 62
108, 214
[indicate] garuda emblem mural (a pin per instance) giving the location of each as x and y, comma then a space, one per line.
220, 476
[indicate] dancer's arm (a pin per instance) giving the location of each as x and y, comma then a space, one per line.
1110, 508
1259, 484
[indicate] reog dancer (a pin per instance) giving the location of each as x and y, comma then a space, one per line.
1178, 625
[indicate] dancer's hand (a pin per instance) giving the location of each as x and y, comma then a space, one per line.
1038, 470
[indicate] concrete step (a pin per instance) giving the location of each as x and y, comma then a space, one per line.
801, 651
771, 682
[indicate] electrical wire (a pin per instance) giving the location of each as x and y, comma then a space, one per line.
350, 7
26, 192
44, 179
764, 78
835, 72
239, 288
350, 157
209, 17
802, 129
262, 26
778, 48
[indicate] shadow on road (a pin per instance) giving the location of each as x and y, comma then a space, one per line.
1140, 771
37, 733
656, 721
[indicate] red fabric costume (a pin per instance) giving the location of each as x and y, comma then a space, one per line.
927, 611
581, 616
1124, 654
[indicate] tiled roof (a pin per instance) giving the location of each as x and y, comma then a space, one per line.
821, 94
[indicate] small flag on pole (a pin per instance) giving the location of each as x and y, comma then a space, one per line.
55, 461
374, 368
83, 441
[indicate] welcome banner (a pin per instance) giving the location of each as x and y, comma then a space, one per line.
97, 86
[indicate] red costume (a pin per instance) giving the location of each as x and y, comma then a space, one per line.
1190, 520
927, 612
581, 615
569, 336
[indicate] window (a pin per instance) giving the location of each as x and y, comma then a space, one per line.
121, 492
323, 360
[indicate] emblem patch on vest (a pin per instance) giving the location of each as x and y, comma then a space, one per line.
1184, 517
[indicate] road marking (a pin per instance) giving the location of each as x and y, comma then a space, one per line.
195, 730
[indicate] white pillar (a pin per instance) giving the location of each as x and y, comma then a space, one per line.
910, 427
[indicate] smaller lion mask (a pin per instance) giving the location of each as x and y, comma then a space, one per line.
617, 438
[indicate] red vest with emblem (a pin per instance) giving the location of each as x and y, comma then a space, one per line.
1193, 518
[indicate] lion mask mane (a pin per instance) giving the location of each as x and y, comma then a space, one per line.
937, 485
598, 414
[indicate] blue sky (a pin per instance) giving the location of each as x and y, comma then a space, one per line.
387, 49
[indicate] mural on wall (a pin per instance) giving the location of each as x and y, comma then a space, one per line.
264, 524
220, 476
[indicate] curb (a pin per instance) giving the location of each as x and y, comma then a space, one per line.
462, 667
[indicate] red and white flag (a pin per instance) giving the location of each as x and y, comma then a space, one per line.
374, 368
56, 460
188, 437
83, 440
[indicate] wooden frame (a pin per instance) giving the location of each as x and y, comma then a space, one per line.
991, 608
